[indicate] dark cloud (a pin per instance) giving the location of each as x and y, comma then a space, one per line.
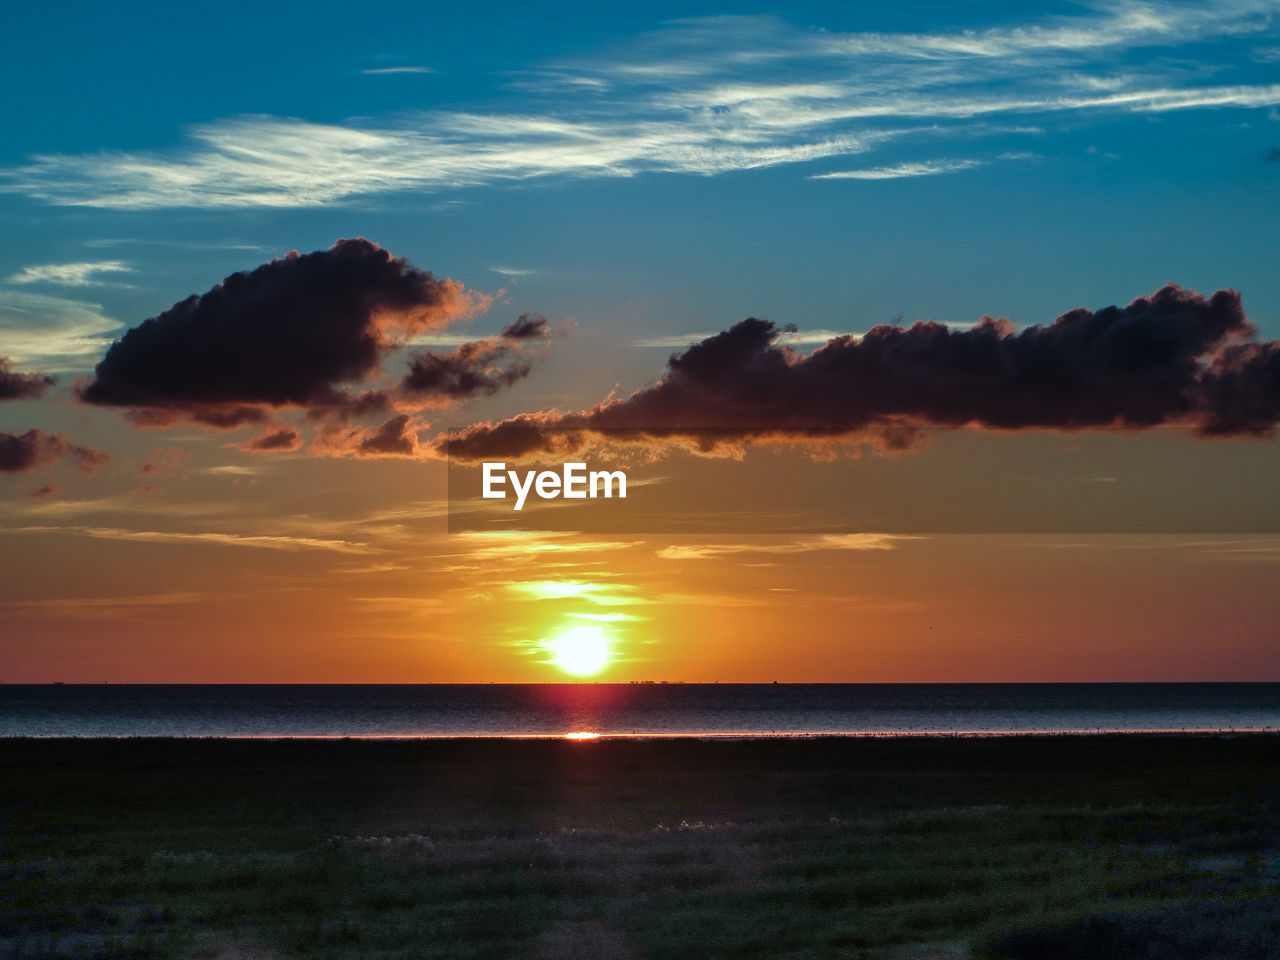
217, 416
311, 333
346, 405
528, 326
1175, 358
524, 435
476, 369
228, 418
473, 370
287, 334
393, 439
22, 386
35, 448
279, 440
397, 437
42, 493
1240, 392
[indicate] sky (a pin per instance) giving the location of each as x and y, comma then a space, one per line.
937, 343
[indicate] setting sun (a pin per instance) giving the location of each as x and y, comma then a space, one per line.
580, 651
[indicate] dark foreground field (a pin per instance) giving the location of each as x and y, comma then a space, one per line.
1032, 847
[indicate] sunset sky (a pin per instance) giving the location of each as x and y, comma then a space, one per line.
686, 241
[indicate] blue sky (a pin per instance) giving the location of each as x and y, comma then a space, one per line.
669, 169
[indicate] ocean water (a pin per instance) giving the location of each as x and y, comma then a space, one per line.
653, 710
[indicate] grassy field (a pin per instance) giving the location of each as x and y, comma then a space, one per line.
1029, 848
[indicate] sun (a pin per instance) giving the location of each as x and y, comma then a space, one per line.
580, 651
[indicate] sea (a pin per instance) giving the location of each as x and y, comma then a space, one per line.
650, 710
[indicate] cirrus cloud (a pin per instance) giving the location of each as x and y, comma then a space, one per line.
708, 96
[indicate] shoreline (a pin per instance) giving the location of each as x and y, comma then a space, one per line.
698, 736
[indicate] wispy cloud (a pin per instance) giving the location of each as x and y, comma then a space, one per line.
383, 71
522, 545
791, 338
1118, 25
922, 168
270, 162
722, 46
83, 274
707, 96
233, 470
118, 505
99, 608
607, 617
601, 594
1252, 548
826, 542
110, 242
373, 568
211, 538
53, 333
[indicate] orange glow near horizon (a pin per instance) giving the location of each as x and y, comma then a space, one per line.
379, 592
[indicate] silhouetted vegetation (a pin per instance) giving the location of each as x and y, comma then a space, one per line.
1242, 930
1088, 846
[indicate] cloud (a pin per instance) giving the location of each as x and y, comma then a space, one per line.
281, 440
21, 386
98, 608
35, 448
478, 368
473, 370
280, 163
845, 541
397, 437
712, 46
1175, 358
394, 438
519, 545
386, 71
924, 168
70, 274
298, 332
787, 335
608, 617
210, 538
703, 96
1240, 392
233, 470
528, 326
42, 493
55, 333
602, 594
120, 503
